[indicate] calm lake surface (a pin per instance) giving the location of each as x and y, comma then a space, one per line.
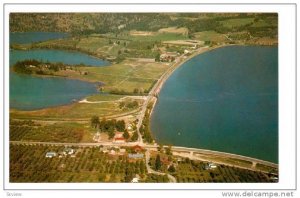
30, 92
224, 100
67, 57
31, 37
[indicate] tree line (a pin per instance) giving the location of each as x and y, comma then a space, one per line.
31, 66
145, 127
109, 126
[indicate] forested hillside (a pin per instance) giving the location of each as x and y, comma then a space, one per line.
87, 23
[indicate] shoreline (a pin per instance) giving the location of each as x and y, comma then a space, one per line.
167, 74
77, 50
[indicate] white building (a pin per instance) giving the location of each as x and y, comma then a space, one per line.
69, 151
135, 180
50, 154
211, 166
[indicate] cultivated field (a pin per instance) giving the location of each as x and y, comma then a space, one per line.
29, 164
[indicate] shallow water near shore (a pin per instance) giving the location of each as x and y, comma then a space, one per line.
224, 100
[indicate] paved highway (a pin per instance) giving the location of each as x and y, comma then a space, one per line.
149, 146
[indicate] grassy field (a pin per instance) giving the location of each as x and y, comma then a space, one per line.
104, 97
210, 36
92, 43
182, 30
58, 43
164, 36
231, 23
126, 75
75, 111
266, 22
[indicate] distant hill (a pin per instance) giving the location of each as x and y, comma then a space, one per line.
87, 23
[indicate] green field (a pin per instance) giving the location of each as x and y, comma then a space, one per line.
154, 36
231, 23
159, 37
126, 76
76, 111
57, 132
92, 43
104, 97
210, 36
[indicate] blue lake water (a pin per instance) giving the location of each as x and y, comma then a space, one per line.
224, 100
30, 92
67, 57
31, 37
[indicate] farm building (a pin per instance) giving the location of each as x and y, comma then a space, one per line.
168, 56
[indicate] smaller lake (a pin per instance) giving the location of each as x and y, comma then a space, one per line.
30, 92
67, 57
32, 37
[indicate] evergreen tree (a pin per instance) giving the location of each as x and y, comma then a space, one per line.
171, 169
120, 125
134, 136
157, 163
95, 122
126, 134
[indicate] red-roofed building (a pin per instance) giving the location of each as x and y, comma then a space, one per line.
118, 135
119, 140
137, 148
